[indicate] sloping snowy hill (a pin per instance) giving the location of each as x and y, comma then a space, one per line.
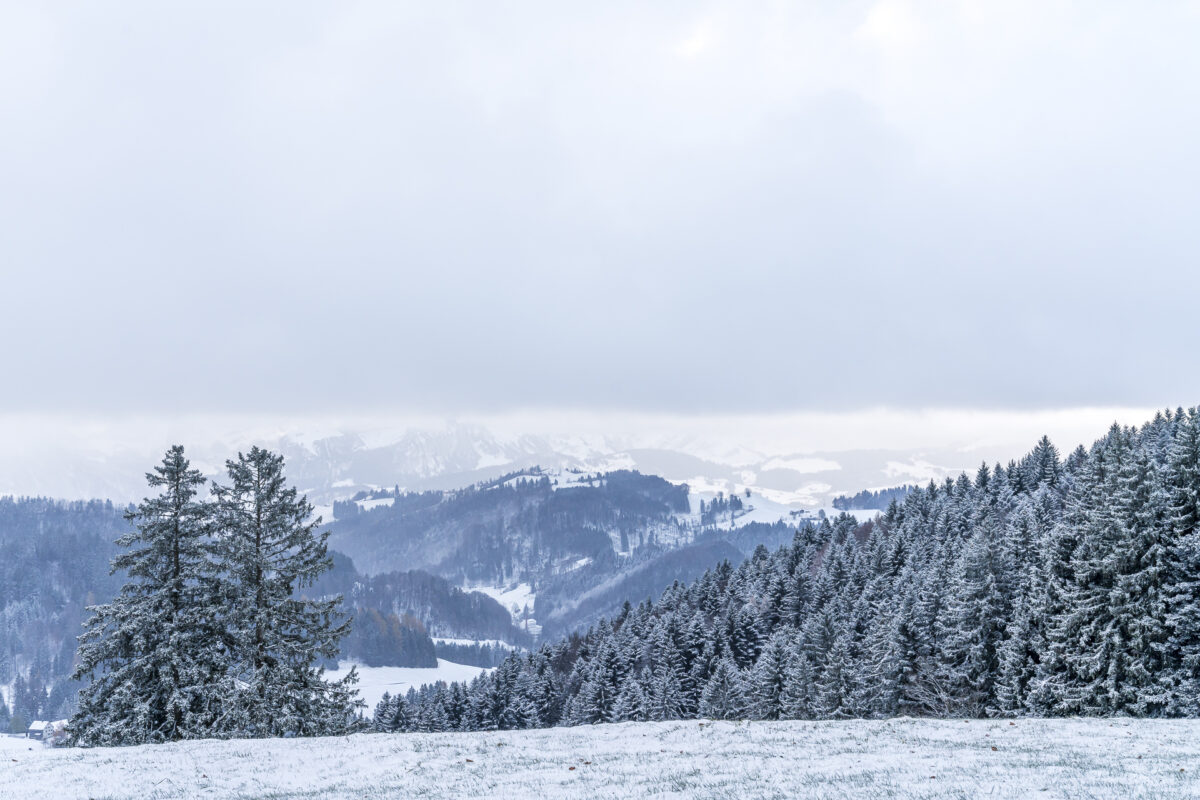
902, 758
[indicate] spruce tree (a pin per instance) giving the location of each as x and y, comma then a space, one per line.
631, 704
797, 701
666, 700
768, 677
724, 696
1015, 667
1180, 677
971, 629
148, 653
384, 711
269, 550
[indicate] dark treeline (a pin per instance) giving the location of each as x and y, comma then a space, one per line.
54, 558
868, 500
379, 639
1043, 587
477, 654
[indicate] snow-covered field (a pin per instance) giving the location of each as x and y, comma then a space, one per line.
898, 758
374, 681
515, 599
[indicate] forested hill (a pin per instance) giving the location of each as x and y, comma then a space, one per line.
584, 542
1046, 586
867, 499
524, 526
54, 561
441, 609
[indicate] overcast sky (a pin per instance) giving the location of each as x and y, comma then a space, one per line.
719, 208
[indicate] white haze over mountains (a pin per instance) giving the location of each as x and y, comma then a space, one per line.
799, 460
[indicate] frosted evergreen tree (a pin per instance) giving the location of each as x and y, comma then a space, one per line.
797, 700
434, 716
546, 686
971, 628
1095, 645
522, 709
724, 696
768, 677
892, 663
398, 714
1138, 603
835, 686
1042, 465
149, 653
1053, 690
666, 699
1015, 664
600, 687
269, 549
631, 704
1180, 677
383, 712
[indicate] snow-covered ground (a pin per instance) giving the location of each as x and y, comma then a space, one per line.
374, 681
515, 599
367, 505
898, 758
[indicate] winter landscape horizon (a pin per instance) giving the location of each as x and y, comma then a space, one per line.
693, 400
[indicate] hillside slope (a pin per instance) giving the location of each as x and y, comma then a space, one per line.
582, 543
523, 526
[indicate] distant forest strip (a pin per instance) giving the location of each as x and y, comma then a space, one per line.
868, 500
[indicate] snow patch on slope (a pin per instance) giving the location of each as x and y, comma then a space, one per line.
515, 599
374, 681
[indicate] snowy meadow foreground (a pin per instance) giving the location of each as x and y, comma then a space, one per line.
903, 758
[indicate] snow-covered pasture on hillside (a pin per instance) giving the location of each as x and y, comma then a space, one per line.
901, 758
374, 681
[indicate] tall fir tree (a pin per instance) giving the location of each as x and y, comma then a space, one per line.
1180, 677
724, 695
270, 550
149, 652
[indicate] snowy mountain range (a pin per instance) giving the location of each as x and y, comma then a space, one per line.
461, 454
332, 462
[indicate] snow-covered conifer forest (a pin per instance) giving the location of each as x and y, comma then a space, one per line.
1049, 586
